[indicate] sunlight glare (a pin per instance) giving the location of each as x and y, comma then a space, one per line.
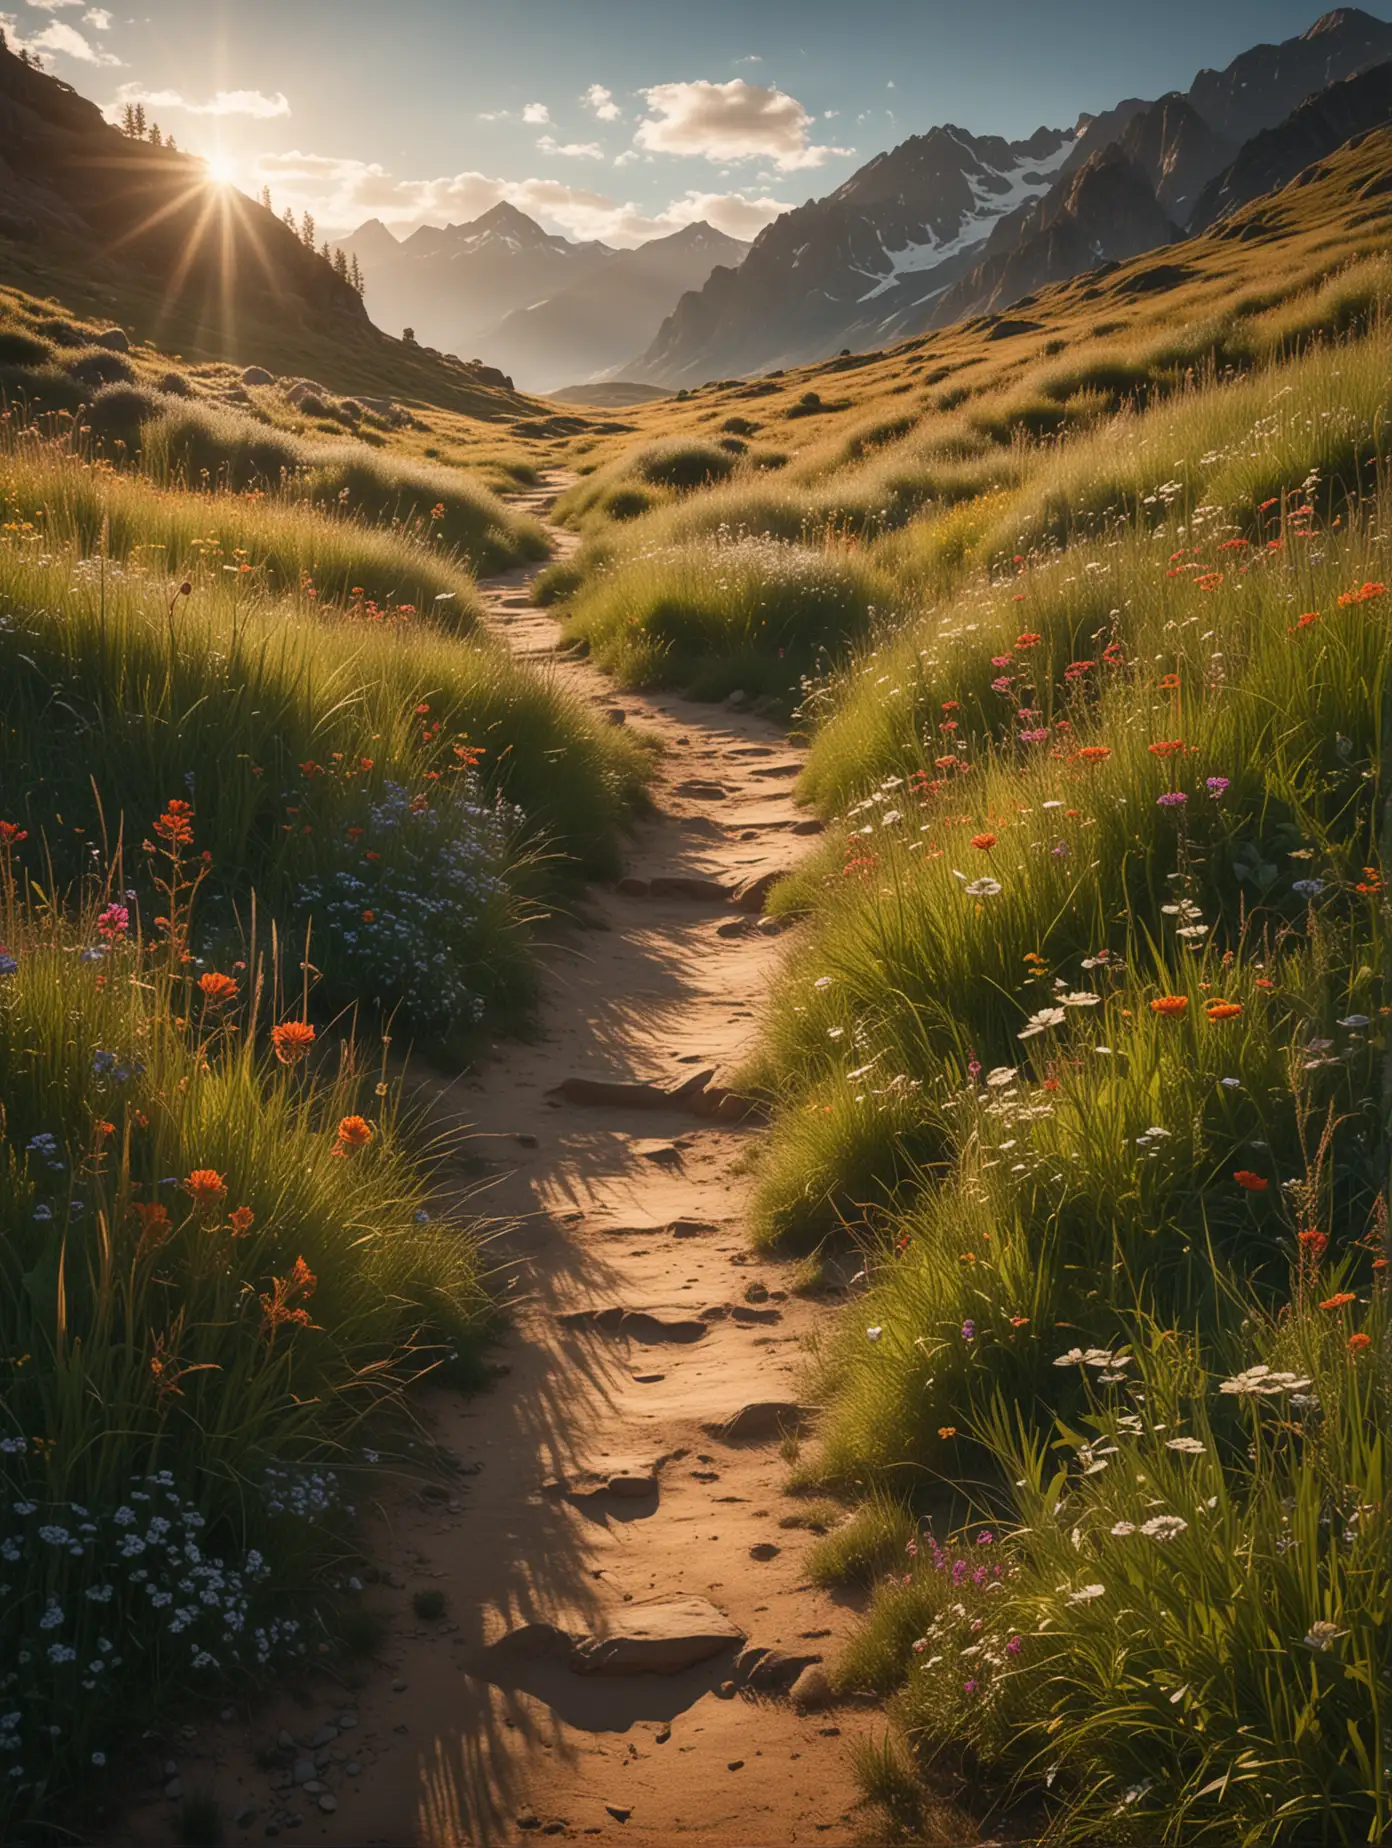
222, 169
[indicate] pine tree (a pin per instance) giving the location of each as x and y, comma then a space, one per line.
288, 220
140, 121
266, 198
156, 139
340, 263
128, 120
169, 143
355, 275
324, 251
307, 229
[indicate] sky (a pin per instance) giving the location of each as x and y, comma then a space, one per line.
616, 119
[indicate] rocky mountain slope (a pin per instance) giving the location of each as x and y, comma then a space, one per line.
593, 324
944, 226
452, 284
77, 194
1320, 125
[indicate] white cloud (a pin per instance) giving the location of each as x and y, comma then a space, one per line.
97, 18
731, 121
51, 6
58, 37
628, 158
341, 193
536, 114
602, 102
572, 150
254, 103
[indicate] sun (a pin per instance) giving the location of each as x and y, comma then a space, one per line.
222, 169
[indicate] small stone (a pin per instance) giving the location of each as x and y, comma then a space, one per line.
616, 715
828, 1732
401, 1727
304, 1770
756, 1293
346, 1722
245, 1817
226, 1714
735, 1764
352, 1768
272, 1829
728, 1690
812, 1689
398, 1687
284, 1742
325, 1736
257, 375
527, 1820
662, 1736
115, 340
619, 1811
171, 1769
313, 1788
737, 700
764, 1549
174, 1789
328, 1803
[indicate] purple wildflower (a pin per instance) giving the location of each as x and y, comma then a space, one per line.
1172, 798
1217, 786
969, 1331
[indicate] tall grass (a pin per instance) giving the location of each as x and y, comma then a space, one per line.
216, 1266
400, 792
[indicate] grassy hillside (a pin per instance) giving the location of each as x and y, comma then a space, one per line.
1084, 1044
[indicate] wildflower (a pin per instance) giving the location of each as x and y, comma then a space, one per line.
1075, 1357
1313, 1244
1028, 640
1355, 1020
969, 1687
1172, 1007
1000, 1076
1322, 1634
1094, 753
1172, 798
985, 842
873, 1334
969, 1331
1217, 786
1164, 1527
983, 888
113, 922
1308, 620
354, 1132
1222, 1010
153, 1220
1041, 1022
216, 989
1167, 747
1079, 997
8, 963
1249, 1182
1338, 1299
1364, 594
241, 1219
1167, 683
175, 825
292, 1040
1014, 1646
205, 1187
1308, 888
1123, 1528
1188, 1446
946, 1431
11, 834
1357, 1342
1086, 1593
1261, 1383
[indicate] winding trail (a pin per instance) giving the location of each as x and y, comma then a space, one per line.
587, 1481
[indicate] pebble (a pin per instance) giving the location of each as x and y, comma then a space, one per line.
346, 1722
352, 1768
764, 1549
735, 1764
328, 1803
663, 1736
398, 1687
272, 1829
401, 1727
174, 1789
245, 1817
313, 1788
304, 1770
619, 1811
284, 1741
171, 1769
325, 1736
226, 1714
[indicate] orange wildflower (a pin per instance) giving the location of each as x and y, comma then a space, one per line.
1249, 1182
292, 1040
1171, 1006
1223, 1010
241, 1220
1028, 640
354, 1132
1364, 594
984, 841
1338, 1299
946, 1431
154, 1222
1313, 1244
1167, 747
205, 1187
175, 825
1168, 683
1358, 1342
216, 988
1094, 753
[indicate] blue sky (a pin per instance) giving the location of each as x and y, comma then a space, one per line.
614, 118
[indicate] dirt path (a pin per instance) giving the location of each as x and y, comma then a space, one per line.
592, 1482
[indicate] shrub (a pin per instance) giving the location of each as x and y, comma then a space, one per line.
18, 348
682, 464
99, 366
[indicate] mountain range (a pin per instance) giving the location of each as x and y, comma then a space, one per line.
950, 225
545, 309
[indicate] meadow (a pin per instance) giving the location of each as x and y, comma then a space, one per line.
1083, 1047
271, 802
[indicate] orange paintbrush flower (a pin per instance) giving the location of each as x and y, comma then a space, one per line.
354, 1132
292, 1040
1223, 1010
1171, 1006
216, 989
206, 1187
1249, 1182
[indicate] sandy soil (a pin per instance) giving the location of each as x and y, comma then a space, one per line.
632, 1205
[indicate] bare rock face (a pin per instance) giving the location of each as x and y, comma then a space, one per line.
658, 1638
257, 375
772, 1671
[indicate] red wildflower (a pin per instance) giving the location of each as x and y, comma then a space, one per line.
1249, 1182
1338, 1299
292, 1040
205, 1187
1171, 1006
